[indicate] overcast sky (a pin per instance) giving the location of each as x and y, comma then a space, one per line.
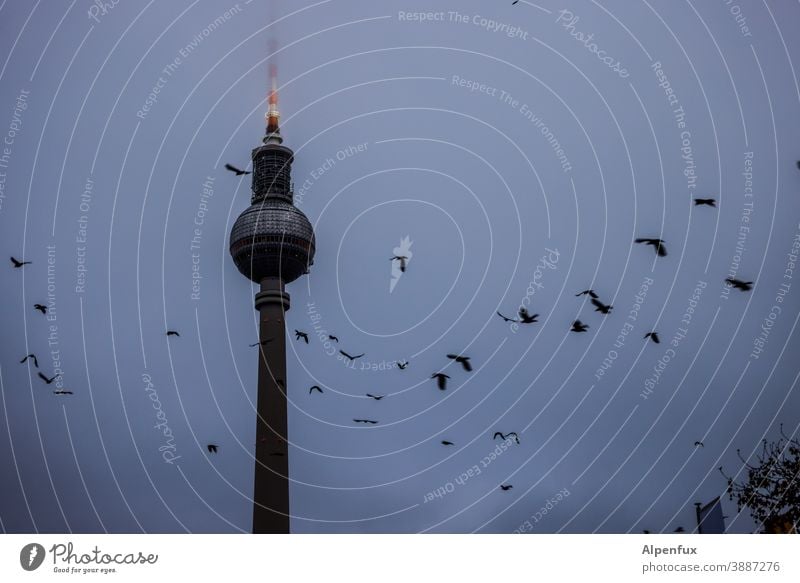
518, 149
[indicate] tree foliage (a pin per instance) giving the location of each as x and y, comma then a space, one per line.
771, 489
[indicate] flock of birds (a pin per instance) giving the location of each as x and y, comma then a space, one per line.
16, 263
441, 378
523, 317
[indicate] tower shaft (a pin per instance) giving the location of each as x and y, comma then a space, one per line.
271, 491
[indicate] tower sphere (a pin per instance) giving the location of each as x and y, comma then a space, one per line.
272, 238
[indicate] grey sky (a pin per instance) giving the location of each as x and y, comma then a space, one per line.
558, 156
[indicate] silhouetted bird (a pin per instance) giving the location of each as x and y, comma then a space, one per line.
235, 170
505, 487
739, 284
525, 317
601, 307
658, 245
402, 365
463, 360
370, 421
376, 397
46, 380
506, 436
262, 343
40, 307
445, 442
350, 357
699, 444
62, 392
212, 448
17, 263
402, 259
705, 201
298, 335
589, 292
332, 337
31, 356
578, 326
314, 388
653, 336
441, 380
506, 318
173, 333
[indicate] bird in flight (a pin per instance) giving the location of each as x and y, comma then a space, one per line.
505, 487
739, 284
658, 245
441, 380
173, 333
445, 442
601, 307
212, 448
40, 307
462, 360
17, 263
402, 259
46, 380
235, 170
31, 356
706, 202
62, 392
505, 318
699, 444
314, 388
402, 365
332, 337
352, 358
587, 292
298, 335
506, 436
262, 343
578, 326
370, 421
653, 336
376, 397
525, 317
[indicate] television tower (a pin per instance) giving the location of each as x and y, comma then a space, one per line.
272, 243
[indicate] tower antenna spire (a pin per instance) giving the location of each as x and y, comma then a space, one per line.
273, 117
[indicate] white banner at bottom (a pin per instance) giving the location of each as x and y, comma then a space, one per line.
334, 558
